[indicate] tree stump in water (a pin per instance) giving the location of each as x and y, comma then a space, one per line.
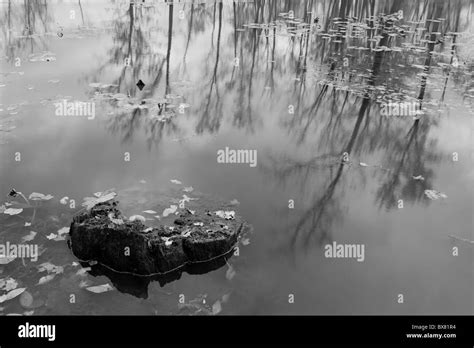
102, 235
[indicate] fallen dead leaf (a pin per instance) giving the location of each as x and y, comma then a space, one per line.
98, 289
11, 295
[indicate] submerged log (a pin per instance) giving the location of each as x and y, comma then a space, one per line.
103, 235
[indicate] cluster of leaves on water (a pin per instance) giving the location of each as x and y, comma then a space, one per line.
44, 220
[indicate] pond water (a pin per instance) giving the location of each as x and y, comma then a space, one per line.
304, 84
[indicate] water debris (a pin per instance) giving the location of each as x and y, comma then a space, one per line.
434, 195
98, 289
418, 177
137, 218
216, 307
171, 210
149, 211
29, 237
83, 271
6, 259
46, 279
140, 84
12, 211
8, 284
228, 215
102, 197
26, 299
84, 284
177, 182
188, 189
64, 200
51, 236
50, 268
230, 272
61, 235
186, 199
11, 295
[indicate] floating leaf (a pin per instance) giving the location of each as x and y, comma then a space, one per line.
362, 164
419, 177
171, 210
29, 237
5, 260
216, 307
27, 224
100, 288
188, 189
26, 299
8, 284
64, 230
12, 211
230, 273
434, 195
84, 283
186, 199
12, 294
83, 271
46, 279
228, 215
137, 217
177, 182
89, 202
35, 196
149, 211
245, 241
50, 268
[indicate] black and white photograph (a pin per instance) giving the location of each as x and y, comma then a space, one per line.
237, 158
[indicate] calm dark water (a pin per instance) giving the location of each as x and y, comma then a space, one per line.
188, 52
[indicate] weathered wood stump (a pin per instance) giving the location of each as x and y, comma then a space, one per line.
102, 235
